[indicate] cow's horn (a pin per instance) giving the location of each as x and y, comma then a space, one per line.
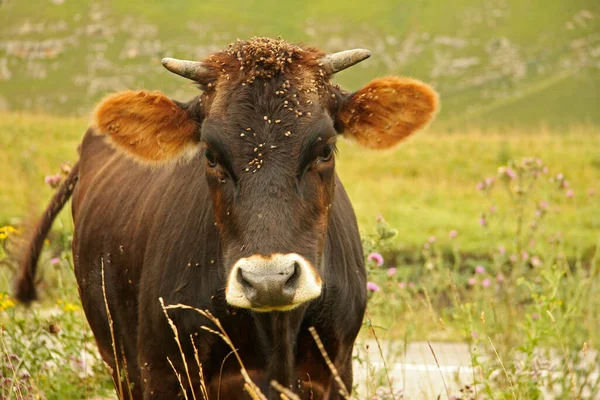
336, 62
194, 70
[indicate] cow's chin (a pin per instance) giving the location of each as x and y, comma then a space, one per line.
278, 282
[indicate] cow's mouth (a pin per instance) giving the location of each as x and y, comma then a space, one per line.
278, 282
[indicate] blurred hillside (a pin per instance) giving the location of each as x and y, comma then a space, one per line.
495, 62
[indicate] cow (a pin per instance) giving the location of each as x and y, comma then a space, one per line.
228, 203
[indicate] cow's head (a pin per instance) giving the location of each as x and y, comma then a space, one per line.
266, 126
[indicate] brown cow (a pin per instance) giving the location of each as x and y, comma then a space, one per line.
230, 203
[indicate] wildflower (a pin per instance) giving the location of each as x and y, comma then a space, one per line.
54, 261
493, 209
500, 278
501, 250
482, 221
535, 261
475, 335
472, 282
525, 255
543, 205
591, 192
569, 193
479, 186
402, 285
535, 316
378, 258
6, 231
431, 239
508, 172
372, 287
453, 233
489, 181
6, 302
70, 307
564, 184
479, 269
52, 180
391, 272
486, 282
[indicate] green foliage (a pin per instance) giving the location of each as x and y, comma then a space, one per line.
529, 316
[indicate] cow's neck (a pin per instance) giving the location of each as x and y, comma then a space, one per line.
278, 333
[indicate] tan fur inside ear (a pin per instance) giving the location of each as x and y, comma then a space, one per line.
148, 126
387, 110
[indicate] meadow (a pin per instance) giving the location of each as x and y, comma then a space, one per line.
482, 233
489, 239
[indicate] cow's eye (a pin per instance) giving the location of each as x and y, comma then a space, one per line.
210, 158
326, 154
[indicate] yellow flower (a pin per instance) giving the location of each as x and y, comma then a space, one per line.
6, 302
70, 307
7, 230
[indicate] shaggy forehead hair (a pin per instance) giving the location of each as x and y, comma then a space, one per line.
288, 70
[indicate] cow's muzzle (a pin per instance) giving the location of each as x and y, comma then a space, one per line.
278, 282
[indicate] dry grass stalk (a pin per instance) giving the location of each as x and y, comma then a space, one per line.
512, 388
14, 370
125, 372
343, 391
178, 375
387, 373
252, 389
118, 384
176, 333
286, 394
203, 389
438, 365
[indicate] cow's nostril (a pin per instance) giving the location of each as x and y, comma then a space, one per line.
292, 281
242, 280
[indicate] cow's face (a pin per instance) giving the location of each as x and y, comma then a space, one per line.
266, 126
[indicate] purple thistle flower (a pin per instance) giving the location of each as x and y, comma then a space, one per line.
479, 269
453, 233
378, 258
502, 250
510, 173
479, 186
472, 282
391, 271
431, 239
486, 282
499, 278
54, 261
570, 193
402, 285
372, 287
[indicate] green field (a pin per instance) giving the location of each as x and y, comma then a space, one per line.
496, 63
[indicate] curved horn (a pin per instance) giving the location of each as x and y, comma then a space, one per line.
336, 62
194, 70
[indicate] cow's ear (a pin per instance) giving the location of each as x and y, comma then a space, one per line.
386, 111
148, 126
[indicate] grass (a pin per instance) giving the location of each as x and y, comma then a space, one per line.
426, 187
496, 63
